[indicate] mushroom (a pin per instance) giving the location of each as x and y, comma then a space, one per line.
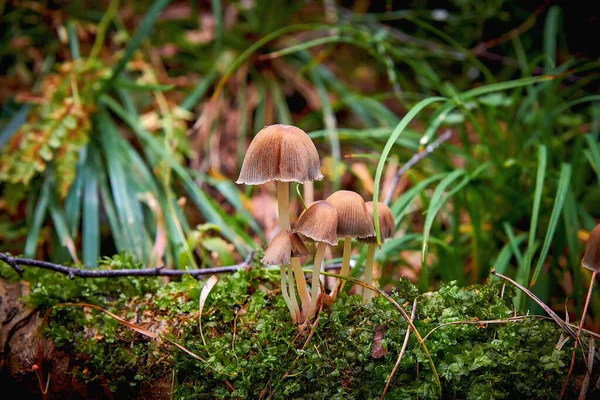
591, 261
387, 228
319, 222
285, 154
353, 221
284, 249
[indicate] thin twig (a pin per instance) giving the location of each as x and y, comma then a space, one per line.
72, 272
588, 375
404, 315
565, 326
404, 344
430, 148
577, 341
502, 321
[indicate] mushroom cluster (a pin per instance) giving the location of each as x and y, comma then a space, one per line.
284, 154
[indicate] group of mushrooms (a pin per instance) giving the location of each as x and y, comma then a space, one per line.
285, 153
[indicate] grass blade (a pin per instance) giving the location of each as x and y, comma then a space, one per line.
91, 219
388, 147
503, 258
400, 207
561, 193
550, 36
524, 271
436, 204
136, 40
514, 244
33, 231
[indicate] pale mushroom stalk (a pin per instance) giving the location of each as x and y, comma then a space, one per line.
316, 282
292, 294
286, 295
319, 223
283, 203
368, 293
353, 222
284, 247
301, 283
345, 271
387, 227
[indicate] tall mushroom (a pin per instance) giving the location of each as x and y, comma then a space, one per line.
387, 227
353, 222
281, 153
284, 249
285, 154
591, 261
319, 223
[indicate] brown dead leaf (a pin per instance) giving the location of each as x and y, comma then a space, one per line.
378, 350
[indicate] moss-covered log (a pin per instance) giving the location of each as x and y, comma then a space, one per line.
247, 347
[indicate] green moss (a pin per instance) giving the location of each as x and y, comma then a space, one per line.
252, 347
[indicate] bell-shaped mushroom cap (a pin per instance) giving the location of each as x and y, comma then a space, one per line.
283, 247
281, 153
319, 222
591, 257
387, 226
353, 218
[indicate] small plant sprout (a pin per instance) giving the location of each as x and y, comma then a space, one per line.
388, 228
319, 223
591, 261
284, 249
353, 221
285, 154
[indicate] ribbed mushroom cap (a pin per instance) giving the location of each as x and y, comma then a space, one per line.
353, 217
319, 222
283, 247
591, 257
281, 153
387, 226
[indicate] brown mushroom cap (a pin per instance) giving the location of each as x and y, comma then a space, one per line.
353, 218
591, 257
387, 226
319, 223
281, 153
283, 247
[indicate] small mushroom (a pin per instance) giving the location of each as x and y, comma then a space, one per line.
353, 221
591, 261
285, 154
387, 228
284, 249
319, 222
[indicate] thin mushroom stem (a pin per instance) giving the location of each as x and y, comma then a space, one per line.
283, 203
285, 294
316, 282
292, 293
309, 193
587, 303
301, 283
345, 271
368, 294
585, 307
